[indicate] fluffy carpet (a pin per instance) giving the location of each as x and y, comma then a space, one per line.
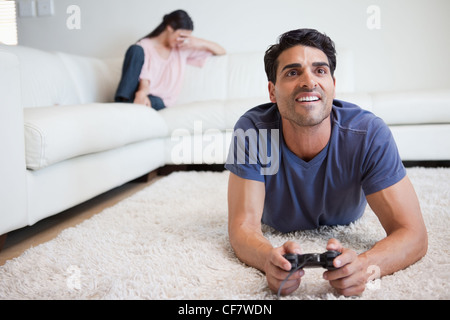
169, 241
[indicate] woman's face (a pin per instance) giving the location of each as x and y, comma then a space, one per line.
177, 37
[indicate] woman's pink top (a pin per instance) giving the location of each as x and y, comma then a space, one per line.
166, 75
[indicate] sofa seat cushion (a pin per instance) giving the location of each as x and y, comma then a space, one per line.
54, 134
197, 117
201, 132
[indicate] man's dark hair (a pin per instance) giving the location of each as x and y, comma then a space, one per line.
304, 37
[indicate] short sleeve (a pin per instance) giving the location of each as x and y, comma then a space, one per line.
198, 58
145, 70
254, 152
382, 166
240, 160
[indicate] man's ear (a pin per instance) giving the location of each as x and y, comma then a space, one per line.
272, 92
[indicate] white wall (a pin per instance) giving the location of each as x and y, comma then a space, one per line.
410, 51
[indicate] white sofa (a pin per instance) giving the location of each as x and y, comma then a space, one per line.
63, 141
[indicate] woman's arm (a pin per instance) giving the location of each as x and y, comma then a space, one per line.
198, 43
141, 96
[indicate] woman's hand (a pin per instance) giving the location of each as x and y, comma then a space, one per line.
189, 41
142, 98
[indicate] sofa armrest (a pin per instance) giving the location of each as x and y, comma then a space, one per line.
13, 188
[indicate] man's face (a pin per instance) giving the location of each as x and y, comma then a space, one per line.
304, 89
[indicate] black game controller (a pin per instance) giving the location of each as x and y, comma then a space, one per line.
312, 260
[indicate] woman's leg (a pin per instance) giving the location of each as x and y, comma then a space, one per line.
132, 66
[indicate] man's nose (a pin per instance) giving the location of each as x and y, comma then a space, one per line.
307, 80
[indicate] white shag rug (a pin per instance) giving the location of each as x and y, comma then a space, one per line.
170, 241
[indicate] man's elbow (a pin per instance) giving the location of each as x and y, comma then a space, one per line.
423, 244
420, 245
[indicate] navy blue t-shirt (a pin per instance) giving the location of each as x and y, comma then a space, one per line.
360, 158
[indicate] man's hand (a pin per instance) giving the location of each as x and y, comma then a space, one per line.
351, 277
277, 269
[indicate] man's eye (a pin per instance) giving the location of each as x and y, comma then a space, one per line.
321, 71
292, 73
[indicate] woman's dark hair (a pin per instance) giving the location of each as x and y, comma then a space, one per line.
178, 19
305, 37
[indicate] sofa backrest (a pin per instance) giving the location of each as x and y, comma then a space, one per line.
241, 76
43, 79
56, 78
95, 79
231, 76
53, 78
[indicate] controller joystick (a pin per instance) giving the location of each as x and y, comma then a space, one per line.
312, 260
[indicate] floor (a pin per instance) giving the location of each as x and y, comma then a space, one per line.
20, 240
45, 230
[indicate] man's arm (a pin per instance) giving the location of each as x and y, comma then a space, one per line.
398, 210
245, 207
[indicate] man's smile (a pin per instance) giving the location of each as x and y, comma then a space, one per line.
308, 97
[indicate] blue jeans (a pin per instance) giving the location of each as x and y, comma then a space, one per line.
129, 82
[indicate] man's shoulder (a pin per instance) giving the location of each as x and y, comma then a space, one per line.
349, 116
260, 117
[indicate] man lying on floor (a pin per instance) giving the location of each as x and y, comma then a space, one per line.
307, 160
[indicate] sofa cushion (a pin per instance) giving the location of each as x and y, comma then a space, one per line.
206, 83
208, 114
54, 134
246, 76
363, 100
421, 107
197, 117
95, 80
44, 78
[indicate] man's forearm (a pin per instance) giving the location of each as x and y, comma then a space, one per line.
396, 252
245, 207
250, 247
398, 210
